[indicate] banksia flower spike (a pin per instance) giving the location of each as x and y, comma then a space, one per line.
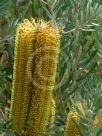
23, 49
35, 62
71, 128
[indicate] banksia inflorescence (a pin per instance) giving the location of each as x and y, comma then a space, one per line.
71, 128
35, 62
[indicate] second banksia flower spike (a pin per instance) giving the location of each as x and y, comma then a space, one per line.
71, 129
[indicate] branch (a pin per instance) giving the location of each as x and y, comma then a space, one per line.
81, 26
70, 31
44, 2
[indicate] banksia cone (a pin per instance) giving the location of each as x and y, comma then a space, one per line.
35, 63
71, 128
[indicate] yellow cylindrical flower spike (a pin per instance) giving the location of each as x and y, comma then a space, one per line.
71, 128
45, 62
35, 62
23, 48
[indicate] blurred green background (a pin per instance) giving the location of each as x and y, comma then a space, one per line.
79, 74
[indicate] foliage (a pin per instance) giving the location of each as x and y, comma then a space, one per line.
79, 69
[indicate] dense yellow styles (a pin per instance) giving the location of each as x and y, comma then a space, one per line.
71, 128
35, 62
